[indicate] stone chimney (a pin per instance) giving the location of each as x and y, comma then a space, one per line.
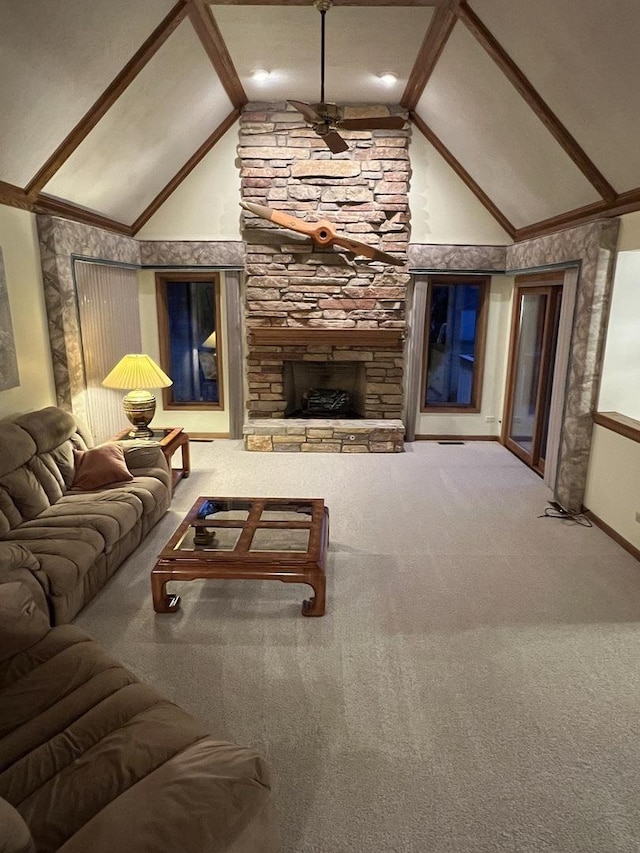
341, 312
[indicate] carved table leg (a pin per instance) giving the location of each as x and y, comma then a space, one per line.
163, 602
315, 606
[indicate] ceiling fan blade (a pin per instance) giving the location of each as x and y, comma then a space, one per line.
307, 111
280, 217
370, 252
334, 142
373, 123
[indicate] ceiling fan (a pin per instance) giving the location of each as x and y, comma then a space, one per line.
327, 119
321, 232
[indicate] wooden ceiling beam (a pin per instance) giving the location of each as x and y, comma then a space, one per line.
188, 167
535, 101
628, 202
14, 196
436, 37
108, 97
213, 43
58, 207
336, 2
462, 173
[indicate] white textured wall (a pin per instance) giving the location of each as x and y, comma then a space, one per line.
211, 421
620, 383
495, 370
443, 209
629, 234
19, 242
613, 482
613, 490
205, 205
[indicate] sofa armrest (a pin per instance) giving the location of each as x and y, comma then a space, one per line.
13, 556
230, 807
17, 563
22, 622
146, 459
143, 454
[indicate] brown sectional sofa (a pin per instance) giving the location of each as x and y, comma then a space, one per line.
76, 539
93, 761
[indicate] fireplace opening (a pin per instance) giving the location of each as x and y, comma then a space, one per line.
327, 389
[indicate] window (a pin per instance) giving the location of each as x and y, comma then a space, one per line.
190, 339
454, 343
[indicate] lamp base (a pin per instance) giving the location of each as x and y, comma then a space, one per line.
140, 407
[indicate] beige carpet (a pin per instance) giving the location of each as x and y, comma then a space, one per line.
473, 688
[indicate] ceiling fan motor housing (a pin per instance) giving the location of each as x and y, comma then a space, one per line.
329, 112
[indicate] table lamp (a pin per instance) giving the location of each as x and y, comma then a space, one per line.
138, 372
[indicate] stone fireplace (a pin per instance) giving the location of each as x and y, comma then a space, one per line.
323, 318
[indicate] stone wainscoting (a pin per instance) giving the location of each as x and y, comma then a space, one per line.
324, 436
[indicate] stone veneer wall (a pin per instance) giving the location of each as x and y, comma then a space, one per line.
293, 286
593, 245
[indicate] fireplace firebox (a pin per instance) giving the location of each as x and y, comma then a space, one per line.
329, 389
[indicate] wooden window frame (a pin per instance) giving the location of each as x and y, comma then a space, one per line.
164, 279
474, 407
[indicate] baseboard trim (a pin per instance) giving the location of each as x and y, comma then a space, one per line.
206, 436
457, 438
631, 549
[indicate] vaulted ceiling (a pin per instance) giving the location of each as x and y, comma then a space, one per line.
107, 106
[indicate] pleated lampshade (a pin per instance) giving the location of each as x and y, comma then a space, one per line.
138, 372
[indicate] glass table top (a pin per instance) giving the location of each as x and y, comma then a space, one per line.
247, 526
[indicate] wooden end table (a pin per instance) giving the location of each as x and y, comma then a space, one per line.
169, 439
283, 539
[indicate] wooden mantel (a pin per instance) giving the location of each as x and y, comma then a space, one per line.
290, 335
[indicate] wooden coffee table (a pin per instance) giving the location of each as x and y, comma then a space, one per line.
282, 539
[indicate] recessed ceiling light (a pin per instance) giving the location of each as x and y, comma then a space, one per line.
260, 75
388, 78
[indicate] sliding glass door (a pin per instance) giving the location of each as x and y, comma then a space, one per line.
532, 360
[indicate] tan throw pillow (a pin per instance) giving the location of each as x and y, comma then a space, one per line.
22, 623
100, 466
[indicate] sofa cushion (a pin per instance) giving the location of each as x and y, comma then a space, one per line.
48, 427
16, 447
76, 730
99, 467
24, 497
14, 832
64, 554
22, 622
112, 514
21, 496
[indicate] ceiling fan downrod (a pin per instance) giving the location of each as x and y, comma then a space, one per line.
323, 7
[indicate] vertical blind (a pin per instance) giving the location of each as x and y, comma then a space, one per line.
109, 328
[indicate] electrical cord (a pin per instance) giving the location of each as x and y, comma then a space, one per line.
554, 510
